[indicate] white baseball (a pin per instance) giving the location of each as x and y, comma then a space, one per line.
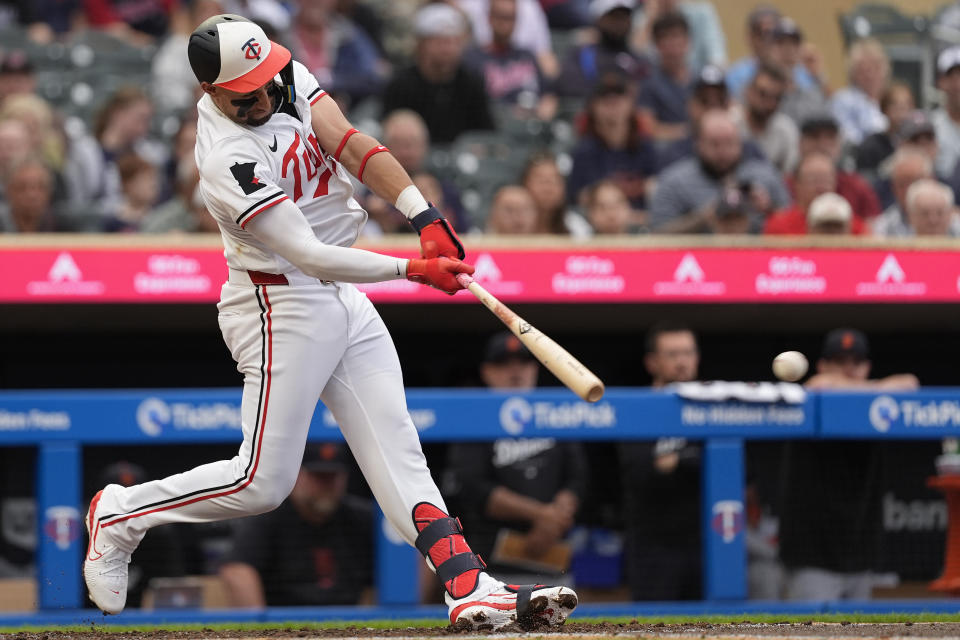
790, 366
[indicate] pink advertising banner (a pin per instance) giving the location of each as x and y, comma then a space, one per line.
595, 275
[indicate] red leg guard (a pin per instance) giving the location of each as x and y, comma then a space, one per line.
447, 547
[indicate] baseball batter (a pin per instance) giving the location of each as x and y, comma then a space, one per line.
274, 153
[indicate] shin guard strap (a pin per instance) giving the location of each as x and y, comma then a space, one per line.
458, 565
437, 531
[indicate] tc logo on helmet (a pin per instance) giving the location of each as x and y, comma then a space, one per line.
251, 49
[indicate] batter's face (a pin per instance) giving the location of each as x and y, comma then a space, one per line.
253, 108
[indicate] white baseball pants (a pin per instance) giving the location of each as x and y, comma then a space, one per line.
294, 344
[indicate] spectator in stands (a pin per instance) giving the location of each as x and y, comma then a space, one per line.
173, 85
857, 106
366, 16
664, 95
661, 486
587, 64
805, 79
272, 15
16, 74
530, 34
608, 210
614, 146
775, 133
185, 211
896, 103
547, 186
28, 207
709, 92
816, 176
15, 145
139, 22
947, 118
512, 212
341, 56
761, 23
120, 127
315, 549
46, 135
907, 166
447, 95
519, 496
931, 210
708, 44
821, 133
829, 214
512, 75
734, 214
140, 184
42, 20
687, 192
916, 132
829, 546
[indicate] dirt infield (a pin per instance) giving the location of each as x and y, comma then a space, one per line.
737, 631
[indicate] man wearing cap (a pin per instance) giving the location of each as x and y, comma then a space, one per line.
815, 178
820, 133
447, 94
314, 549
946, 119
586, 64
524, 489
687, 192
275, 155
829, 545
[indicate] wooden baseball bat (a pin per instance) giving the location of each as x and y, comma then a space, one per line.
558, 360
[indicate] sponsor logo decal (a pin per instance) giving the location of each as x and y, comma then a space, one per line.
689, 279
519, 414
154, 415
588, 274
886, 412
789, 275
62, 525
891, 280
727, 519
65, 279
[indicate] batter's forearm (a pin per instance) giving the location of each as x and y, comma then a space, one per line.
382, 172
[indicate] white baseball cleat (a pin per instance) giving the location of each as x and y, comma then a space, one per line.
105, 565
494, 605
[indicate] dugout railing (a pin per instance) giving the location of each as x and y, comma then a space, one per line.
59, 424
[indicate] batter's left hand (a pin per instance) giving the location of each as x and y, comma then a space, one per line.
437, 237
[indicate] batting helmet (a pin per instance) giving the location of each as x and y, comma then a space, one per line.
232, 52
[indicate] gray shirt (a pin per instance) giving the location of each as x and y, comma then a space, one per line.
780, 141
892, 223
684, 188
948, 141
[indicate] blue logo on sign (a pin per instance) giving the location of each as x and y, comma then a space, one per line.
884, 411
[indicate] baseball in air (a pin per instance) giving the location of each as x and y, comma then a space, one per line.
790, 366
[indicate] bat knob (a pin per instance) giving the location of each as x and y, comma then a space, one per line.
464, 279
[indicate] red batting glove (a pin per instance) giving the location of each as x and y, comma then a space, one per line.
440, 273
437, 237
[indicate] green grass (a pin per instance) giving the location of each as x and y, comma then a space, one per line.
433, 622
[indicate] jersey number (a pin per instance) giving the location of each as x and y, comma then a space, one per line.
312, 162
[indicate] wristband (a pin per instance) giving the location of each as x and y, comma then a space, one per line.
410, 202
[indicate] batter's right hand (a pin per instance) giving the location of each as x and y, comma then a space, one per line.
440, 273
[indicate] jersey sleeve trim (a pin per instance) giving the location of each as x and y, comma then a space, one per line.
243, 225
253, 209
315, 95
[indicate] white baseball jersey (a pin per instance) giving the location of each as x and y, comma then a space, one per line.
246, 170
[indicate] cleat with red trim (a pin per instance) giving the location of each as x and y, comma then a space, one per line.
105, 565
494, 605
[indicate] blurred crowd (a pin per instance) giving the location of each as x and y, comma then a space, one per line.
568, 117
